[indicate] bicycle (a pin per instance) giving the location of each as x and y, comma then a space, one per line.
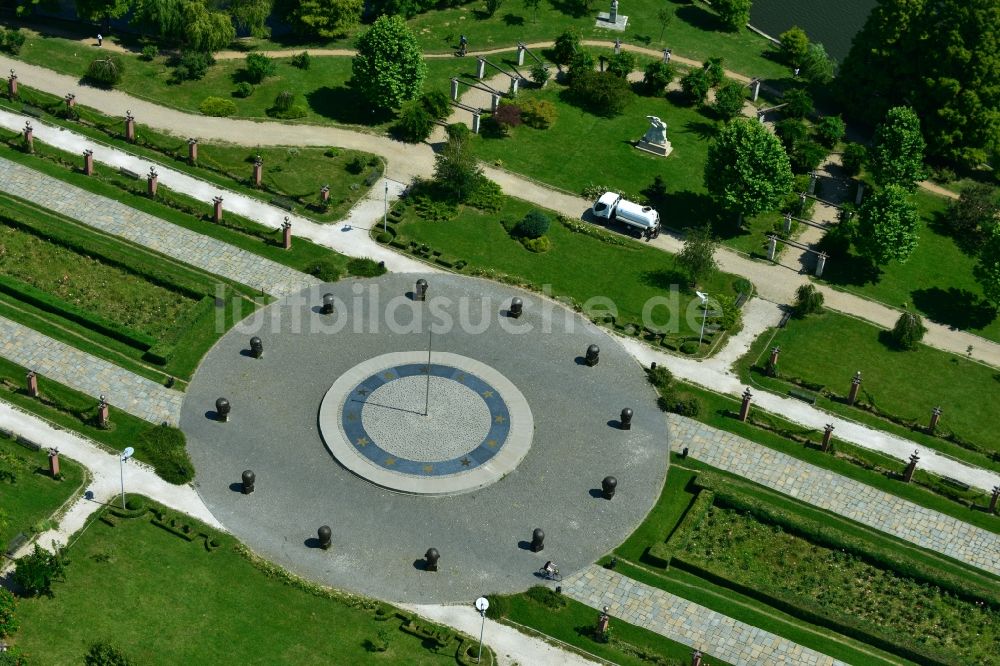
549, 575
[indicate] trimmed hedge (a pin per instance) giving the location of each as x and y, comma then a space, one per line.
164, 447
667, 550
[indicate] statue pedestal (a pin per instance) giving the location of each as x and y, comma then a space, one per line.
604, 21
661, 149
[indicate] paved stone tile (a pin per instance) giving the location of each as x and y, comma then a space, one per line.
686, 622
116, 218
852, 499
88, 374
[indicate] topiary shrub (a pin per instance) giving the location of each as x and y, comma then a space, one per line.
106, 71
695, 85
149, 51
622, 64
533, 225
325, 270
566, 46
258, 67
165, 448
105, 653
690, 348
383, 237
356, 165
687, 405
538, 113
538, 245
365, 267
601, 93
437, 104
414, 124
135, 503
191, 65
807, 156
285, 107
660, 377
499, 607
540, 74
8, 616
798, 103
243, 89
458, 131
302, 60
830, 130
657, 76
807, 301
507, 116
854, 158
12, 40
217, 106
908, 331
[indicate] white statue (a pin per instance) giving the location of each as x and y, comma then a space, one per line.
657, 132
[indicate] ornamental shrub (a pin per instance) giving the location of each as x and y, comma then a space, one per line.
437, 104
106, 653
243, 89
621, 65
538, 113
8, 618
807, 301
149, 51
414, 124
830, 130
325, 270
798, 103
302, 60
258, 67
714, 71
601, 92
106, 71
566, 46
192, 65
217, 106
365, 267
12, 40
285, 106
853, 159
695, 85
539, 73
534, 225
807, 156
908, 331
507, 116
657, 77
538, 245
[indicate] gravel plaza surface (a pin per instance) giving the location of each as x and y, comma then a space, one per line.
380, 536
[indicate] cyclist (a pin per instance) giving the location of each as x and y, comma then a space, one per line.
463, 44
550, 569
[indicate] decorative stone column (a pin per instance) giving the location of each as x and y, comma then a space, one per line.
827, 436
256, 347
88, 162
772, 247
494, 102
608, 487
454, 89
217, 209
129, 127
325, 535
592, 356
32, 383
618, 47
745, 405
258, 171
12, 85
935, 417
475, 122
788, 223
70, 100
152, 181
772, 363
222, 409
820, 263
324, 194
696, 658
852, 397
54, 463
521, 48
908, 472
480, 68
102, 412
861, 194
29, 137
994, 498
286, 234
514, 82
813, 176
192, 150
755, 87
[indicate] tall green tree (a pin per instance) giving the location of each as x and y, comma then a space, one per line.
565, 47
188, 23
665, 16
103, 10
729, 99
975, 214
251, 15
734, 13
36, 571
897, 155
697, 257
328, 19
747, 170
389, 68
794, 46
456, 170
987, 270
887, 226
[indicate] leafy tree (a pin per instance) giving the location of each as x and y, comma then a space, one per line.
191, 65
582, 62
792, 132
695, 85
414, 123
538, 113
189, 23
830, 130
534, 225
714, 71
898, 149
566, 46
794, 46
987, 270
601, 93
492, 7
747, 170
854, 158
437, 104
817, 67
539, 73
908, 331
887, 227
103, 10
734, 13
36, 572
251, 15
657, 76
326, 19
808, 300
456, 171
506, 116
106, 71
389, 68
975, 214
729, 99
664, 16
807, 156
258, 67
8, 617
621, 65
697, 257
532, 6
798, 103
106, 653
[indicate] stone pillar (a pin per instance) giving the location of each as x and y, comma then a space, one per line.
514, 82
54, 463
602, 622
152, 181
475, 122
755, 87
760, 117
613, 15
860, 195
454, 89
494, 102
286, 234
129, 127
29, 137
618, 46
772, 363
70, 100
32, 384
827, 436
935, 417
788, 223
908, 472
480, 68
696, 658
820, 263
217, 210
192, 150
102, 413
772, 247
258, 171
802, 203
994, 498
12, 84
745, 405
88, 162
812, 182
521, 48
852, 397
324, 194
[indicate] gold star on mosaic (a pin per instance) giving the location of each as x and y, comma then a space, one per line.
460, 376
492, 443
424, 369
466, 462
362, 391
388, 375
487, 394
428, 469
363, 441
390, 461
499, 418
352, 416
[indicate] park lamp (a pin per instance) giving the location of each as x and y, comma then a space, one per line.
704, 314
125, 455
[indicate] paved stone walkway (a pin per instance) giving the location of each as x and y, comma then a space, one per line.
685, 621
833, 492
116, 218
88, 374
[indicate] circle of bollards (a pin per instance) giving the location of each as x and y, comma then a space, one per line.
248, 480
256, 347
593, 355
431, 558
516, 308
608, 486
325, 535
626, 420
420, 292
537, 540
327, 304
222, 409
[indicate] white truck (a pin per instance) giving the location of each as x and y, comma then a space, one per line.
613, 207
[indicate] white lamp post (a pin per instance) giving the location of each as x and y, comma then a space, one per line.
704, 313
385, 212
126, 454
482, 603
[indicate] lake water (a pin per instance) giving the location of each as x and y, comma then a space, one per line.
830, 22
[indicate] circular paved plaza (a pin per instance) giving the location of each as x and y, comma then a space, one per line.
345, 424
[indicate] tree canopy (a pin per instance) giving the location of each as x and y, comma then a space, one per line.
389, 68
329, 19
734, 13
888, 224
942, 57
747, 171
697, 257
987, 270
897, 155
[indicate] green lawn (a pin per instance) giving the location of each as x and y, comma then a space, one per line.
675, 498
155, 593
32, 496
937, 280
907, 384
574, 268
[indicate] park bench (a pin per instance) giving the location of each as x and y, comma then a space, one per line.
803, 396
282, 202
954, 483
33, 111
128, 173
784, 319
742, 298
27, 443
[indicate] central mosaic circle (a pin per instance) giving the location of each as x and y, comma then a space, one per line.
449, 426
393, 416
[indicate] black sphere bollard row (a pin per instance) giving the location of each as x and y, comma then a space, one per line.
516, 308
420, 292
222, 409
608, 486
431, 558
327, 304
248, 480
537, 540
626, 420
593, 355
325, 535
256, 347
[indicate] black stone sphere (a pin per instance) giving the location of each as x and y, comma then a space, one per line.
431, 557
256, 347
325, 535
248, 480
537, 540
593, 355
516, 308
327, 304
608, 486
626, 420
222, 408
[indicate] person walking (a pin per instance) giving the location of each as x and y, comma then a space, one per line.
100, 39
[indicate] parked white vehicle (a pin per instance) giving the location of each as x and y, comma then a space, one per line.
613, 207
